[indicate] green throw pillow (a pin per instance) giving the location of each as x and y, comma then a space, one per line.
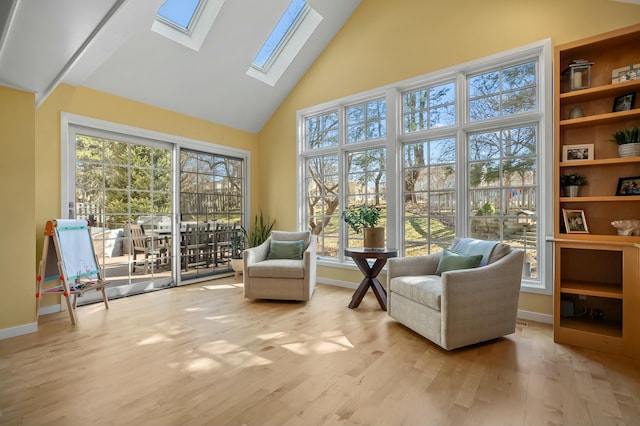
285, 250
451, 261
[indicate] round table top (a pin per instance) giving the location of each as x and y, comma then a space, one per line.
383, 253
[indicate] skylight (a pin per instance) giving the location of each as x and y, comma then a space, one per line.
281, 33
186, 21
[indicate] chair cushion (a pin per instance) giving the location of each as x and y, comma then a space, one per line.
423, 289
305, 236
451, 261
277, 268
285, 250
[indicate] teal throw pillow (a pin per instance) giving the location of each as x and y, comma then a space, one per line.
451, 261
285, 250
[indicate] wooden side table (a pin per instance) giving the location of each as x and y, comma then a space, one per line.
360, 256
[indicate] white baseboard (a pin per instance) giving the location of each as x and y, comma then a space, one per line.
29, 328
51, 309
18, 331
535, 316
337, 283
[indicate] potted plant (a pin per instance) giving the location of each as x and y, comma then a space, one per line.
572, 183
364, 218
237, 247
259, 234
628, 141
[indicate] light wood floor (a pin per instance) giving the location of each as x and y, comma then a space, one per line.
203, 355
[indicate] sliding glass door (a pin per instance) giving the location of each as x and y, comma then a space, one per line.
163, 211
211, 212
123, 187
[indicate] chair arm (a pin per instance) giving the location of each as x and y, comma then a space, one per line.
471, 297
256, 254
485, 277
419, 265
309, 259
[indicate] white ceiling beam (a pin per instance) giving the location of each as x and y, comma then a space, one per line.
41, 97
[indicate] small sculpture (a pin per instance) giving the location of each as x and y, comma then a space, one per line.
627, 226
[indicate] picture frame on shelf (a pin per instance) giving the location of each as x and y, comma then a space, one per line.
628, 186
628, 73
624, 102
578, 152
575, 221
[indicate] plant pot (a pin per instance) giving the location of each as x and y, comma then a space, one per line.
629, 150
571, 191
374, 237
237, 265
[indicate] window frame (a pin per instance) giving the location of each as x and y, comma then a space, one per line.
396, 138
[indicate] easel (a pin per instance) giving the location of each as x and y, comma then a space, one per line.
69, 257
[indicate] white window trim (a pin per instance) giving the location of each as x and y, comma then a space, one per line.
540, 51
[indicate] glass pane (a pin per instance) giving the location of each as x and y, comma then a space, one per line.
429, 108
522, 75
366, 121
322, 131
511, 90
484, 174
519, 101
429, 196
284, 26
484, 146
484, 84
484, 108
179, 12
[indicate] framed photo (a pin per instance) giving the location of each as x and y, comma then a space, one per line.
628, 73
577, 152
624, 102
628, 186
575, 222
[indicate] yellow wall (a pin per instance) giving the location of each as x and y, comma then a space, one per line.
390, 41
383, 42
17, 220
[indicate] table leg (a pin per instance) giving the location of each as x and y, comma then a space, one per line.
370, 280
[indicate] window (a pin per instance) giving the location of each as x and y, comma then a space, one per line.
282, 31
187, 22
366, 184
289, 35
367, 121
180, 14
322, 131
429, 195
502, 179
502, 92
321, 201
429, 108
465, 157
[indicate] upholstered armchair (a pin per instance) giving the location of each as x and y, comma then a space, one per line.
282, 268
457, 307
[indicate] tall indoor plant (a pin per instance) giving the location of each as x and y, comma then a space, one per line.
258, 234
365, 219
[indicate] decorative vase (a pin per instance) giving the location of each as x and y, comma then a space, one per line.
629, 150
571, 190
374, 237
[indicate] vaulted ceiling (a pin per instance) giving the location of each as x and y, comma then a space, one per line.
108, 45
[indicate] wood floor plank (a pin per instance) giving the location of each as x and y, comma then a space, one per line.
204, 355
